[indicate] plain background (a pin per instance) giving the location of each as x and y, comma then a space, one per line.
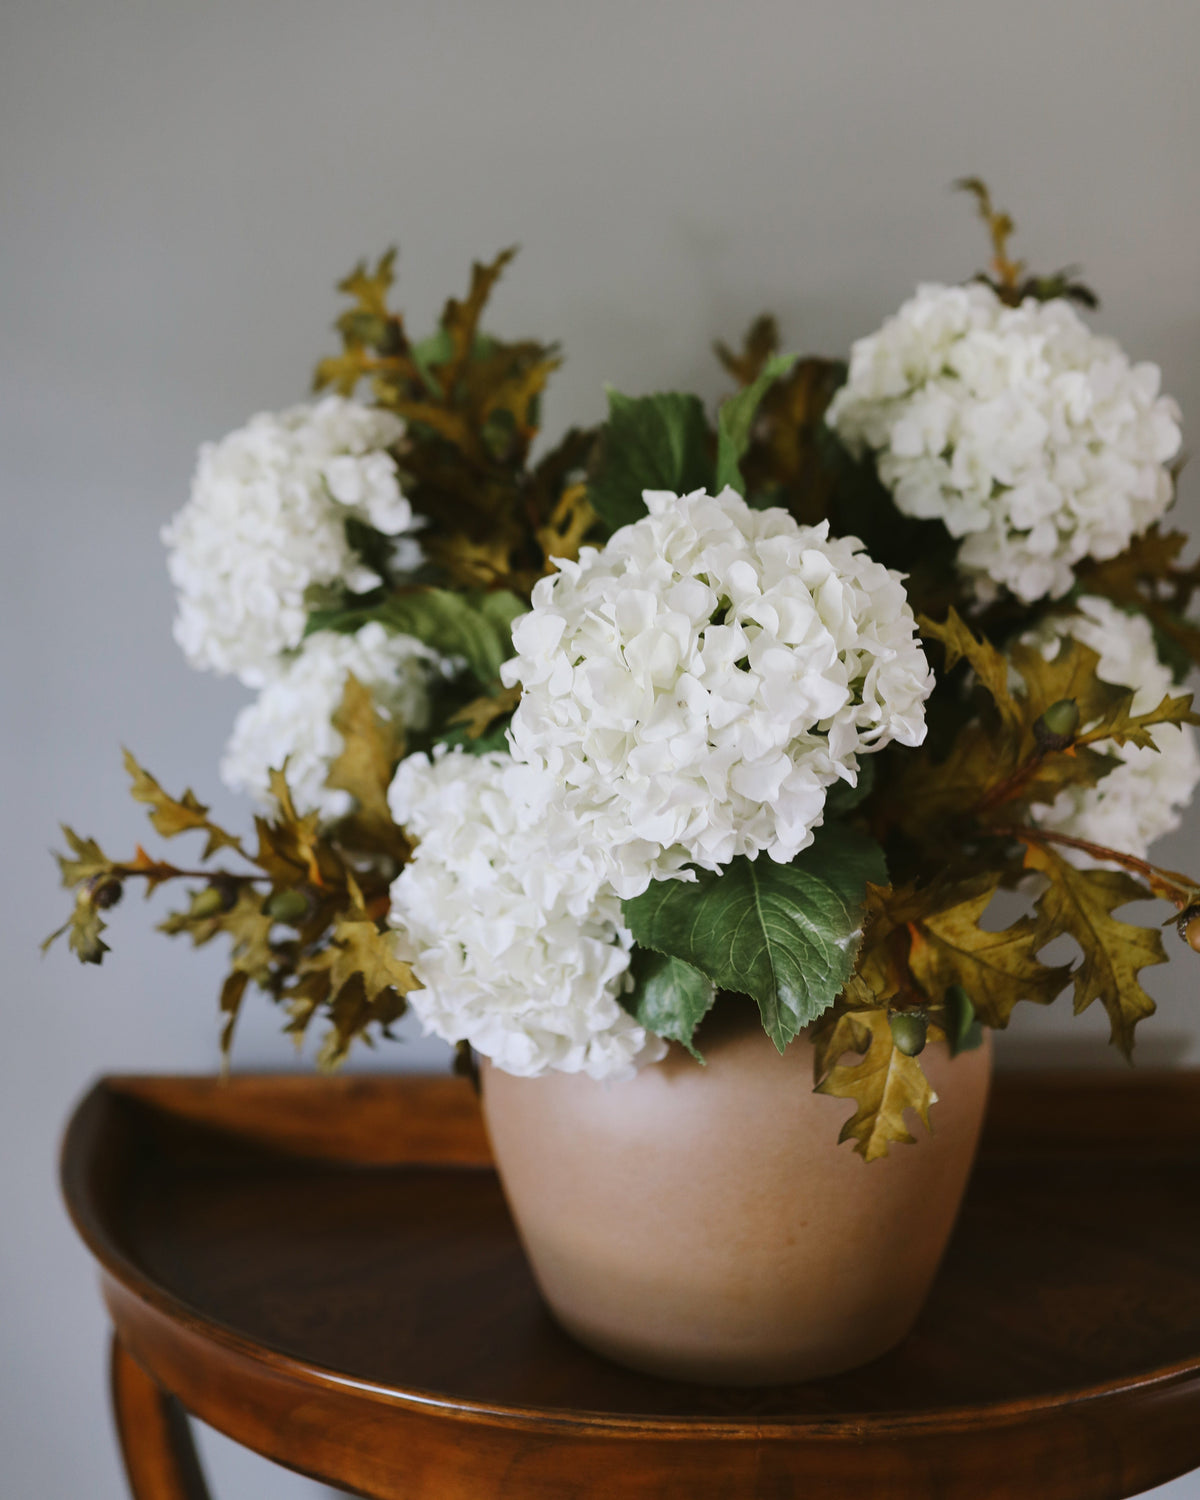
181, 187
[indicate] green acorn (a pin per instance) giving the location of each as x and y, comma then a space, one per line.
1057, 727
909, 1028
287, 905
206, 903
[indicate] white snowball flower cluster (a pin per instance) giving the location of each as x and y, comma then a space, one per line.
266, 519
1141, 799
291, 720
1035, 441
697, 686
503, 914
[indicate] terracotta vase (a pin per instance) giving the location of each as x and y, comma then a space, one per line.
702, 1223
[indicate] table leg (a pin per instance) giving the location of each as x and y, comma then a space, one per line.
156, 1441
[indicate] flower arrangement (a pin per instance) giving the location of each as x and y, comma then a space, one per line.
560, 750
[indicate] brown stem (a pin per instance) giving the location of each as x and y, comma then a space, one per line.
1011, 784
1169, 884
172, 872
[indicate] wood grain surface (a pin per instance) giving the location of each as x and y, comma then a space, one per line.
326, 1271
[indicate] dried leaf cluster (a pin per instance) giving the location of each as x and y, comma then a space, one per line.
303, 908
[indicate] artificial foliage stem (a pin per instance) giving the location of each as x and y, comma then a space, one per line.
1170, 885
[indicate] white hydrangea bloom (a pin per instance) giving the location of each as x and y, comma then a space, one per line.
697, 686
1035, 441
1141, 799
504, 916
266, 519
292, 718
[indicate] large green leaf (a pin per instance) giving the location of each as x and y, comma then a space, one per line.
475, 626
658, 442
671, 998
787, 935
736, 419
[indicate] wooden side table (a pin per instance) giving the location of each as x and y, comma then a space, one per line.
325, 1271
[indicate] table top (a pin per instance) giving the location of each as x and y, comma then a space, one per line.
326, 1270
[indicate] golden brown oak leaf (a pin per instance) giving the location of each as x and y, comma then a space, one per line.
83, 926
371, 749
511, 382
1081, 903
288, 844
1076, 766
302, 999
988, 664
461, 319
569, 523
90, 860
174, 815
834, 1034
883, 1085
1070, 673
360, 948
367, 985
995, 968
370, 288
357, 975
233, 992
249, 930
930, 794
879, 971
1120, 726
478, 716
470, 564
344, 371
986, 773
759, 344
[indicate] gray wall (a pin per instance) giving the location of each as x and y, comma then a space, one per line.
181, 185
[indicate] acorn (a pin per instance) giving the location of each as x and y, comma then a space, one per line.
105, 893
1188, 927
1057, 727
909, 1028
287, 905
206, 903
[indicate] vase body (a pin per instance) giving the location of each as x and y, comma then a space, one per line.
702, 1223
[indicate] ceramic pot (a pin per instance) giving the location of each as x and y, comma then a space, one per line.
702, 1223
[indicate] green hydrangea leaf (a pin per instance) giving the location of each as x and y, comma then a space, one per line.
671, 998
787, 935
962, 1026
660, 442
493, 739
476, 626
735, 421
